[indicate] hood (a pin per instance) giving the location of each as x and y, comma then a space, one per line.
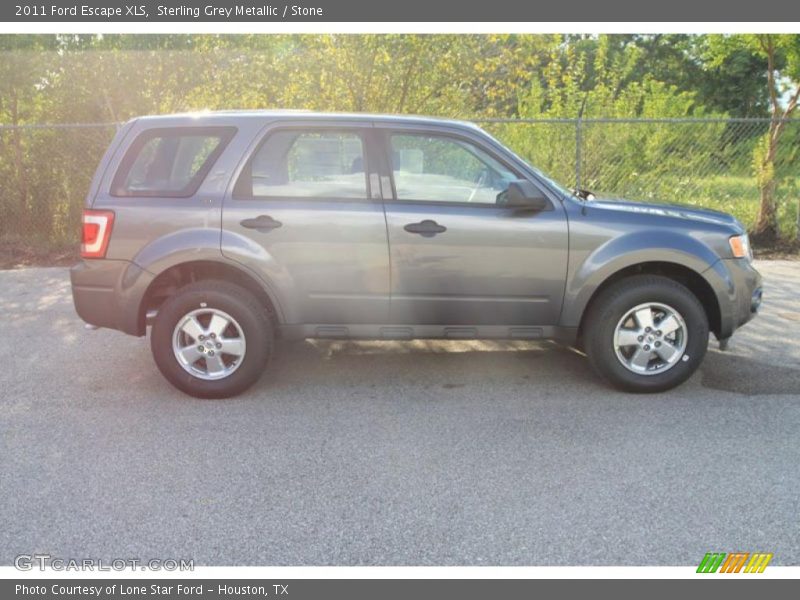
677, 211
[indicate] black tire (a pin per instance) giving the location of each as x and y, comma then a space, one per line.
237, 302
612, 305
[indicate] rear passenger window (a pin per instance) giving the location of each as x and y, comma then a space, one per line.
306, 164
170, 162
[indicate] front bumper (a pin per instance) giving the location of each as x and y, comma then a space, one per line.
108, 293
738, 286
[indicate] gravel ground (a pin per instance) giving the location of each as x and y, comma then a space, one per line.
390, 453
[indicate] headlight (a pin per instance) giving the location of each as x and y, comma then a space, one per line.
740, 246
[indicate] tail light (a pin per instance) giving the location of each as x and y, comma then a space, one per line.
96, 232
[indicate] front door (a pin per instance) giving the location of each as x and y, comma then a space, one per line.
457, 256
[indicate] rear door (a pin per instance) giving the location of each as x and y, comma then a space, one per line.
458, 257
305, 214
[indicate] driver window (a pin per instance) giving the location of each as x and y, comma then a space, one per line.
442, 169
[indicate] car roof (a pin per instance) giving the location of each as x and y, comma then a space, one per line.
232, 117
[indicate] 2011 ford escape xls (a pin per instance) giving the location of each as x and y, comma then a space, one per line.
226, 230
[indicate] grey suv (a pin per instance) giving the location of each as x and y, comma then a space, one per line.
225, 231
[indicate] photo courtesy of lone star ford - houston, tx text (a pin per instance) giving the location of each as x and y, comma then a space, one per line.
349, 299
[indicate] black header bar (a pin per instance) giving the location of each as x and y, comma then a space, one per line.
406, 11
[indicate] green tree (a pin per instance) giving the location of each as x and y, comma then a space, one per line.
599, 81
24, 72
736, 87
780, 56
373, 73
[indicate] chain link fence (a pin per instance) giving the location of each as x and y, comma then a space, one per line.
699, 162
45, 170
45, 173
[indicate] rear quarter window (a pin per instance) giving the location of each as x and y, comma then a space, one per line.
170, 162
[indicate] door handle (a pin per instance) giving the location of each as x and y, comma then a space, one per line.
426, 228
261, 223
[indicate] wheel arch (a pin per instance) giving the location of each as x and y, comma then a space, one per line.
174, 277
691, 279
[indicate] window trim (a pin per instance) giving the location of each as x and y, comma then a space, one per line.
386, 144
361, 132
225, 134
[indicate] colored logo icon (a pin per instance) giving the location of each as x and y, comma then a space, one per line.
735, 562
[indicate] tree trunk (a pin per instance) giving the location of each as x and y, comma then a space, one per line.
766, 227
21, 218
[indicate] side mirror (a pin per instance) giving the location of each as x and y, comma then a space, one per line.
522, 194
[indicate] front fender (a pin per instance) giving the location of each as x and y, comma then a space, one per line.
590, 269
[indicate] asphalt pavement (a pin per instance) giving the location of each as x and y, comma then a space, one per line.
394, 453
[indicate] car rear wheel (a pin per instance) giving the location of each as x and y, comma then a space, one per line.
646, 333
212, 339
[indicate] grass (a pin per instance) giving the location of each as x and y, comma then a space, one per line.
736, 195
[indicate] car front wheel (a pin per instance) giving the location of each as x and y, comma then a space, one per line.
646, 333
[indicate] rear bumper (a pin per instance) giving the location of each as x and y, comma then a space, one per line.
738, 286
108, 293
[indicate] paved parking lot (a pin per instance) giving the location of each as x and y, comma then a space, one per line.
394, 453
